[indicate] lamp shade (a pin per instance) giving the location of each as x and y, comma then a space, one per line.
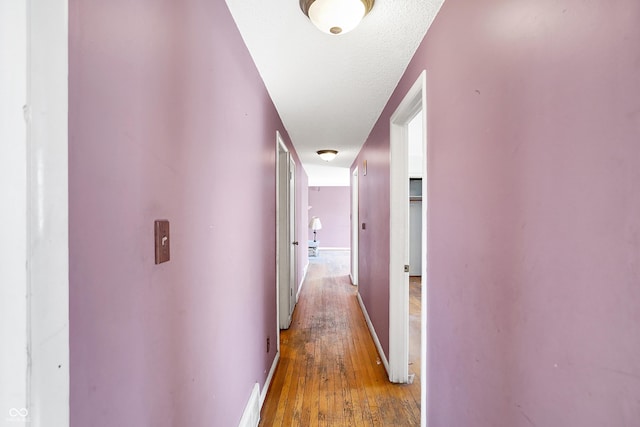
315, 223
327, 155
336, 16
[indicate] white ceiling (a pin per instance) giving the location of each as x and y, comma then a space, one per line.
330, 90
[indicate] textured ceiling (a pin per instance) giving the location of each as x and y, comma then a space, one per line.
330, 90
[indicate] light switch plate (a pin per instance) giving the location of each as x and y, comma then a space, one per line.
161, 234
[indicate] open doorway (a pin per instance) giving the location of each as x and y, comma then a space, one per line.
285, 234
409, 117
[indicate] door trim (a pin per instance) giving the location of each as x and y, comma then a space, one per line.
47, 116
14, 248
413, 103
355, 226
293, 243
280, 148
286, 252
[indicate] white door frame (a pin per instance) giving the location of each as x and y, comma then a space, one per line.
41, 290
293, 243
48, 210
281, 232
413, 103
13, 170
285, 225
355, 226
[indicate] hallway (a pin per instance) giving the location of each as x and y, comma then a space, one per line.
329, 371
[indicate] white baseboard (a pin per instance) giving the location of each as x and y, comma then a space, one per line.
374, 335
267, 382
304, 276
251, 414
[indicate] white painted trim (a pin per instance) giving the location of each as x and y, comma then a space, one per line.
304, 276
251, 414
424, 355
48, 212
332, 248
280, 147
355, 226
267, 382
412, 103
277, 183
13, 215
293, 241
374, 335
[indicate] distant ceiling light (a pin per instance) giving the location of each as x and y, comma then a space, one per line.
336, 16
327, 155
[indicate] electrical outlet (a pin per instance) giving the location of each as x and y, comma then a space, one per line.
161, 238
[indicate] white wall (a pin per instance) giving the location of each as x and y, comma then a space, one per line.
13, 216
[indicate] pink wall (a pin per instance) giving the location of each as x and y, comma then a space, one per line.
169, 119
332, 206
534, 213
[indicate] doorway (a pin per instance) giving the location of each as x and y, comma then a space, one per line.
355, 224
286, 251
413, 105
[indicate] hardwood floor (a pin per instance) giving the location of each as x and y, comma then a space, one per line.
415, 304
330, 373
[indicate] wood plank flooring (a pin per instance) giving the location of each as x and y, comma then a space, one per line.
330, 373
415, 304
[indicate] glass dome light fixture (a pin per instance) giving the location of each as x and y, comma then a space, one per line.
327, 155
336, 16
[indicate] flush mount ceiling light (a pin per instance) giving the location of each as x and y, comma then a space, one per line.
336, 16
327, 155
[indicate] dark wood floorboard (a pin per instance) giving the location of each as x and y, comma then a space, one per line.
330, 373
